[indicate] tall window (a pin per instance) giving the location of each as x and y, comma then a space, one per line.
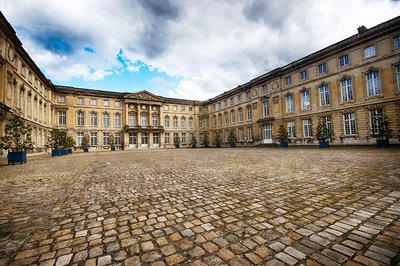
175, 122
248, 113
226, 118
79, 139
117, 138
288, 80
305, 100
396, 42
373, 83
93, 138
154, 120
232, 101
324, 95
183, 138
289, 103
191, 122
106, 138
80, 118
303, 75
265, 108
166, 121
398, 77
45, 113
183, 122
106, 120
93, 119
220, 120
241, 134
346, 87
176, 136
322, 68
40, 110
145, 139
327, 121
167, 140
132, 120
62, 118
232, 117
250, 133
143, 121
248, 95
307, 128
132, 138
35, 108
376, 120
291, 129
200, 122
369, 51
214, 119
239, 98
29, 107
156, 138
240, 115
21, 100
344, 60
349, 124
117, 120
264, 88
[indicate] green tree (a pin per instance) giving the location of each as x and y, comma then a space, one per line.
232, 137
283, 134
85, 141
18, 135
217, 140
323, 133
206, 140
111, 139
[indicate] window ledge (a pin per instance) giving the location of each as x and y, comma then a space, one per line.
374, 97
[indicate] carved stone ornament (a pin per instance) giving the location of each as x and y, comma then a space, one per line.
275, 85
143, 107
11, 54
154, 108
275, 99
132, 106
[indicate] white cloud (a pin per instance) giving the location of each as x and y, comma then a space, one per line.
212, 46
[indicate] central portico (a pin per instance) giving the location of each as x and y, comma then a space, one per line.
143, 112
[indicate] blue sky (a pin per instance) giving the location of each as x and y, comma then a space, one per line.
187, 49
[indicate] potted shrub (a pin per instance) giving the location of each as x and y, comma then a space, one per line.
193, 141
283, 136
217, 141
206, 140
17, 139
382, 132
69, 144
111, 141
323, 135
56, 141
232, 139
177, 141
85, 143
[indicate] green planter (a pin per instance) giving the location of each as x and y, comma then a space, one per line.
16, 157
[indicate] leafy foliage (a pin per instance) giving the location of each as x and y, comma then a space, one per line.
177, 140
232, 137
283, 134
217, 140
111, 139
193, 141
323, 132
206, 140
18, 135
382, 131
85, 141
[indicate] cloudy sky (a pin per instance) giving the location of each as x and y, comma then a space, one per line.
180, 48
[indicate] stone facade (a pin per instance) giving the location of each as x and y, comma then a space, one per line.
345, 85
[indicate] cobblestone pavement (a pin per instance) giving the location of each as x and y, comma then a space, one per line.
247, 206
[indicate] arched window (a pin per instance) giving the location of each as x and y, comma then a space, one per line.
166, 121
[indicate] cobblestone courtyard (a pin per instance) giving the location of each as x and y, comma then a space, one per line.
265, 206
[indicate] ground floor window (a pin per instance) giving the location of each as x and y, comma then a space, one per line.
201, 138
79, 138
291, 129
250, 133
328, 123
376, 120
167, 140
349, 124
307, 128
176, 136
93, 138
183, 138
132, 138
241, 134
156, 138
117, 138
106, 138
145, 139
267, 132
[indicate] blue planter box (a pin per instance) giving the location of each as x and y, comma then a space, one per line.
284, 144
69, 151
382, 143
16, 157
64, 152
85, 149
207, 146
112, 148
218, 146
194, 146
323, 144
232, 145
55, 153
176, 146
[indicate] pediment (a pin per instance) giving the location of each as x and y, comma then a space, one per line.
143, 95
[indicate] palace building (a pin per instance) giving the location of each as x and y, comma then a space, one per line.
349, 85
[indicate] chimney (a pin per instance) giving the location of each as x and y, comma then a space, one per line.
362, 29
